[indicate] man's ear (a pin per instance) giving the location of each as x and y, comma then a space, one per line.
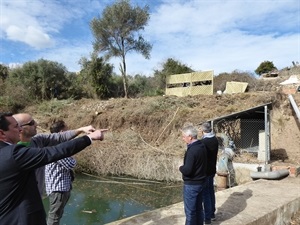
2, 134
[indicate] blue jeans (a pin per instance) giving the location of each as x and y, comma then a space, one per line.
209, 199
192, 198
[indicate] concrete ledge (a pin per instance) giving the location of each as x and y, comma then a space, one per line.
260, 202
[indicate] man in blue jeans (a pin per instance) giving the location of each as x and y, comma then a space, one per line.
212, 146
194, 176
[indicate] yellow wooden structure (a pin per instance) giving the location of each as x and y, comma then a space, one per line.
235, 87
196, 83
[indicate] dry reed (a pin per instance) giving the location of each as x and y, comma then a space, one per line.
127, 153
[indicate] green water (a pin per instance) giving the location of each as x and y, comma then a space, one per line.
100, 200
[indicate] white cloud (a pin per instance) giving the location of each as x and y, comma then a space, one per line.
30, 35
68, 55
21, 22
33, 22
220, 35
226, 35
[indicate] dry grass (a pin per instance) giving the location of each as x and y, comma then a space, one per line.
144, 138
127, 153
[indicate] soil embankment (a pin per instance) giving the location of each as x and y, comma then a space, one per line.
144, 138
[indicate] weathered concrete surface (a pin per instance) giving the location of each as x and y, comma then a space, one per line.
261, 202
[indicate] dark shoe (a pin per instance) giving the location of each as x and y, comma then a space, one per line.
207, 222
213, 218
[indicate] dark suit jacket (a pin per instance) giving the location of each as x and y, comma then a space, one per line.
20, 201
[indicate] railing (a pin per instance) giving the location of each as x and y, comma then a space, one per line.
295, 107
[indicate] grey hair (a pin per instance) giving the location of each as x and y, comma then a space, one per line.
206, 127
190, 131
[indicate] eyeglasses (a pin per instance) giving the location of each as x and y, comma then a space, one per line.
31, 123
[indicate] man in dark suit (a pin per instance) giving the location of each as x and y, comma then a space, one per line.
30, 138
20, 201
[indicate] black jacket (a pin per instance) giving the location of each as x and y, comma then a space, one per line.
195, 164
20, 201
212, 147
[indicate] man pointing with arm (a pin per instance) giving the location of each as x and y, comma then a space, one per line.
20, 201
30, 138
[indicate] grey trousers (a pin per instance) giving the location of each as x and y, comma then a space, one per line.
57, 201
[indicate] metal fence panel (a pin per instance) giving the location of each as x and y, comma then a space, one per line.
243, 132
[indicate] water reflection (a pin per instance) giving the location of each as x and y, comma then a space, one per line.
96, 200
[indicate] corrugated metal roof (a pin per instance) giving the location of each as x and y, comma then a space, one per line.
256, 112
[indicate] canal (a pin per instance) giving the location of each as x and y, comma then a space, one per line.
99, 200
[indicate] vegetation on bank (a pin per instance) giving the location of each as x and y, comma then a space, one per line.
144, 138
43, 80
144, 133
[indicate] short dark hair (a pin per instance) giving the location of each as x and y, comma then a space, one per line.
57, 126
3, 121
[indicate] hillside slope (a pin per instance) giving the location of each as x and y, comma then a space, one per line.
144, 138
144, 134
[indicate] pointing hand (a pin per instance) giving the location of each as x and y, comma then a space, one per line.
97, 134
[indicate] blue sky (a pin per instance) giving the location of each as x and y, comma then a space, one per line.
219, 35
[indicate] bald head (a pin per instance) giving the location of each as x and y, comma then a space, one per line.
22, 118
28, 125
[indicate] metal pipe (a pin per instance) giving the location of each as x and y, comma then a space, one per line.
270, 175
295, 106
266, 134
